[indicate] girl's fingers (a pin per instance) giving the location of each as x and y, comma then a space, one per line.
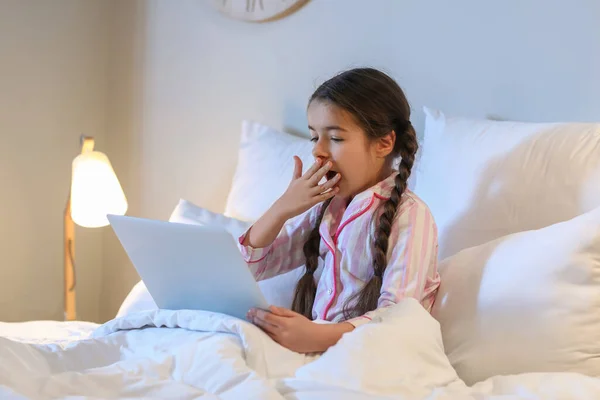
317, 176
283, 312
327, 195
327, 185
297, 167
266, 317
314, 168
265, 326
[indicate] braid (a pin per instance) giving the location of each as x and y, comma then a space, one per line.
306, 289
368, 297
408, 152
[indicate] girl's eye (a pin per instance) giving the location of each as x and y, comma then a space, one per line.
337, 139
313, 139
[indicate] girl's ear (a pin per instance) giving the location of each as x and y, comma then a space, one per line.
385, 145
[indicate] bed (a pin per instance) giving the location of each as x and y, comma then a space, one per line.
517, 315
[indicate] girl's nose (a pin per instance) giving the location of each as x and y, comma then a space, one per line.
320, 152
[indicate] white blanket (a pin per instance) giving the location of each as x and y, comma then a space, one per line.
191, 354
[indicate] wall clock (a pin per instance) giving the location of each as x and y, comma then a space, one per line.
258, 10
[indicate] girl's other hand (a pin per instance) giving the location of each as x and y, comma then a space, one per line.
296, 332
288, 328
304, 190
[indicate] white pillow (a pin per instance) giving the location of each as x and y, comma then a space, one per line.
527, 302
137, 300
264, 169
188, 213
485, 179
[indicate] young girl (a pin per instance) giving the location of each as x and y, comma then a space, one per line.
377, 239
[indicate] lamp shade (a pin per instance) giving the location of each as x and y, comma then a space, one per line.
95, 190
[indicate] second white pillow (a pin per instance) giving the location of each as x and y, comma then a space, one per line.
527, 302
486, 179
188, 213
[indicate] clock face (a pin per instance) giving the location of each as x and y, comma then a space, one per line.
258, 10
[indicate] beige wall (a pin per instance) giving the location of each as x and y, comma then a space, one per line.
52, 89
125, 124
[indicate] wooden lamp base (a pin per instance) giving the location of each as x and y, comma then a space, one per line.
69, 258
87, 144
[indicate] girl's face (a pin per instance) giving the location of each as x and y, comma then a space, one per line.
337, 137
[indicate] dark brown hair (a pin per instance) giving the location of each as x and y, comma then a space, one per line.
379, 106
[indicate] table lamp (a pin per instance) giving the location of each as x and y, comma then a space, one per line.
95, 192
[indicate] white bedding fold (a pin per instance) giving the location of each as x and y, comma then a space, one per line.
192, 354
260, 352
159, 354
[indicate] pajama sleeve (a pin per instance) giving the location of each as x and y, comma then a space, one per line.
286, 252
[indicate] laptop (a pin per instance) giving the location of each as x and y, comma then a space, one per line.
190, 267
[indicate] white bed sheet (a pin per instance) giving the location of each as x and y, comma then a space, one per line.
47, 331
188, 354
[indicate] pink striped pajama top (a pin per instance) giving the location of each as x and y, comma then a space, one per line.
346, 252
